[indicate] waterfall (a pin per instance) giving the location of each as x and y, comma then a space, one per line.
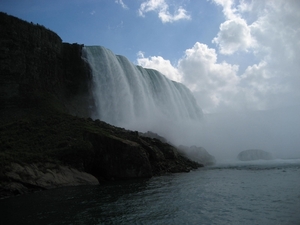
130, 96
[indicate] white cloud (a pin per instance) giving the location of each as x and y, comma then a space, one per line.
276, 31
234, 35
162, 8
121, 3
269, 31
227, 7
210, 81
160, 64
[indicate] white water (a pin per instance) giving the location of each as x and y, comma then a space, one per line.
136, 98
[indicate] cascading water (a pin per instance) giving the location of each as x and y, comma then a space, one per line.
136, 98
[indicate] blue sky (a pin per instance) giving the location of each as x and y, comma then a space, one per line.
120, 27
234, 55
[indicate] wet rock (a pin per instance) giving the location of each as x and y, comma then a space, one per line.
117, 158
20, 179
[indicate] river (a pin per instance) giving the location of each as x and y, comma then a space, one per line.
262, 192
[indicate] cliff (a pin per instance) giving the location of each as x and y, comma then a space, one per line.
36, 66
46, 137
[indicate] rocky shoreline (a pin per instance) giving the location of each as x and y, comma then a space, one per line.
21, 179
56, 149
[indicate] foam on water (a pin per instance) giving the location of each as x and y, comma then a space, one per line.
258, 164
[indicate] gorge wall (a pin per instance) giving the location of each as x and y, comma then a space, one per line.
36, 64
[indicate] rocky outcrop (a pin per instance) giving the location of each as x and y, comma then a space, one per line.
117, 158
126, 154
254, 154
198, 154
165, 158
21, 179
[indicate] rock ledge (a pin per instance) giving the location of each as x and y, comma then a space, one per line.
29, 177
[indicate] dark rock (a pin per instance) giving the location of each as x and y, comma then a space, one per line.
35, 65
118, 158
254, 154
26, 178
153, 135
94, 147
165, 158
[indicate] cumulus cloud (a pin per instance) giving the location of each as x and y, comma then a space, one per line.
121, 3
212, 83
276, 31
160, 64
227, 5
162, 9
268, 31
234, 35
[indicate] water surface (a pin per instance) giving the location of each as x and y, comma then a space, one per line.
265, 192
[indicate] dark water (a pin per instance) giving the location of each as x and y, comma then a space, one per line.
259, 193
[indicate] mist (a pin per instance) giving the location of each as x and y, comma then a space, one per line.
224, 135
277, 131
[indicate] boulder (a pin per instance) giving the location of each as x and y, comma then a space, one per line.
254, 154
37, 176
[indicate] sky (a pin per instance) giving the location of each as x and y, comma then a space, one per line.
234, 55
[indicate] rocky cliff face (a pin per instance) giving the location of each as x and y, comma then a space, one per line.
35, 64
43, 84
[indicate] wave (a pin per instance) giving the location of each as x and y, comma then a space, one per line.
257, 164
